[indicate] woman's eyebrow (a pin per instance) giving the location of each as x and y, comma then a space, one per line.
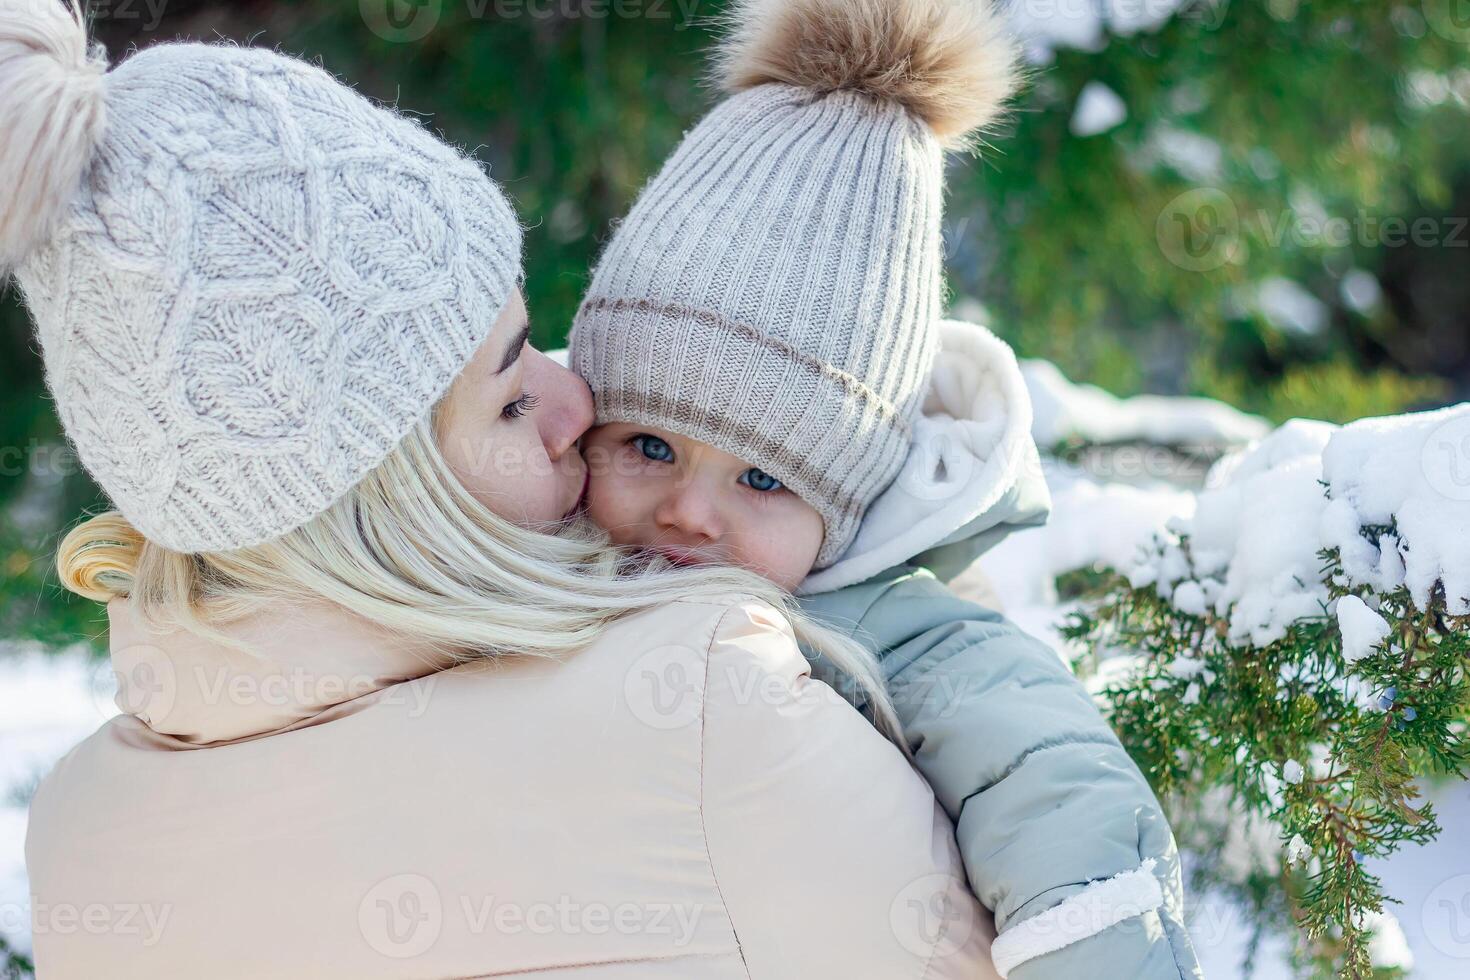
513, 352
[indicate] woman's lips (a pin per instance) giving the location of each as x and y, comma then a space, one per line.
582, 496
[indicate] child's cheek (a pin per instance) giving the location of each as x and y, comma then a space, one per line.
611, 504
600, 498
783, 541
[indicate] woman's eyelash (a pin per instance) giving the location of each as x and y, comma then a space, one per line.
521, 406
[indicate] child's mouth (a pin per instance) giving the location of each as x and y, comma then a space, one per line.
683, 559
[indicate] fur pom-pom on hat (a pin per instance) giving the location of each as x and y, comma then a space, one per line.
51, 117
951, 63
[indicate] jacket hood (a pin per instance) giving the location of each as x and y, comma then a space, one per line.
972, 475
264, 674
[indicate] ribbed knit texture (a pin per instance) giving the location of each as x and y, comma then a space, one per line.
775, 292
263, 283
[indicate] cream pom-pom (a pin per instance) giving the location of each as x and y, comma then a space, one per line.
951, 63
51, 115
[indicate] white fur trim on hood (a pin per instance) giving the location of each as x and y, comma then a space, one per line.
969, 446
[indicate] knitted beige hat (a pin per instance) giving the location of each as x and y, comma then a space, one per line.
248, 281
775, 290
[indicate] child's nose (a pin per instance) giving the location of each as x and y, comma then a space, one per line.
690, 511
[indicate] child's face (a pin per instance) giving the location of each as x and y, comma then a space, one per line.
694, 504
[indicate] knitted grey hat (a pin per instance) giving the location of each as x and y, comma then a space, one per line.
248, 281
775, 291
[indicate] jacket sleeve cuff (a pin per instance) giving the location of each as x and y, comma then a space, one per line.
1100, 906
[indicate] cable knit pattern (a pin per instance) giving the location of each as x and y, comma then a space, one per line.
775, 292
263, 283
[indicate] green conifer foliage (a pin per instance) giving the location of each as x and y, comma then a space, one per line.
1329, 751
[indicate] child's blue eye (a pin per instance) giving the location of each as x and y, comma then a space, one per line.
760, 480
654, 448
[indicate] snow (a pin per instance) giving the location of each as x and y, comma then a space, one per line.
1362, 628
1290, 307
1256, 535
1389, 947
1297, 438
1414, 471
1428, 88
1361, 291
1092, 524
1127, 17
1063, 410
1099, 109
1255, 532
1186, 667
1189, 597
1193, 156
1265, 515
1045, 25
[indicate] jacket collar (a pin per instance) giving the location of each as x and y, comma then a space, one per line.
280, 669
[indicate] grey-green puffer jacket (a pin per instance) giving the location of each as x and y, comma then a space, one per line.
1061, 836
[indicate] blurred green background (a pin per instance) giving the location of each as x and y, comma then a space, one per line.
1262, 201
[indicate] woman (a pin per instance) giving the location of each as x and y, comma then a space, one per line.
375, 722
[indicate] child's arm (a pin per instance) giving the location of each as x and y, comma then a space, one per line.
1047, 804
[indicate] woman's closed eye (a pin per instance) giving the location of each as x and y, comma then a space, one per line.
523, 405
761, 481
653, 448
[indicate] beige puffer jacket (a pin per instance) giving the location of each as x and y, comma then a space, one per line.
680, 800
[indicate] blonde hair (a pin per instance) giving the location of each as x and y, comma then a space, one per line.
410, 549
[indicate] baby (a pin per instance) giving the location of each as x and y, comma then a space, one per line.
776, 389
